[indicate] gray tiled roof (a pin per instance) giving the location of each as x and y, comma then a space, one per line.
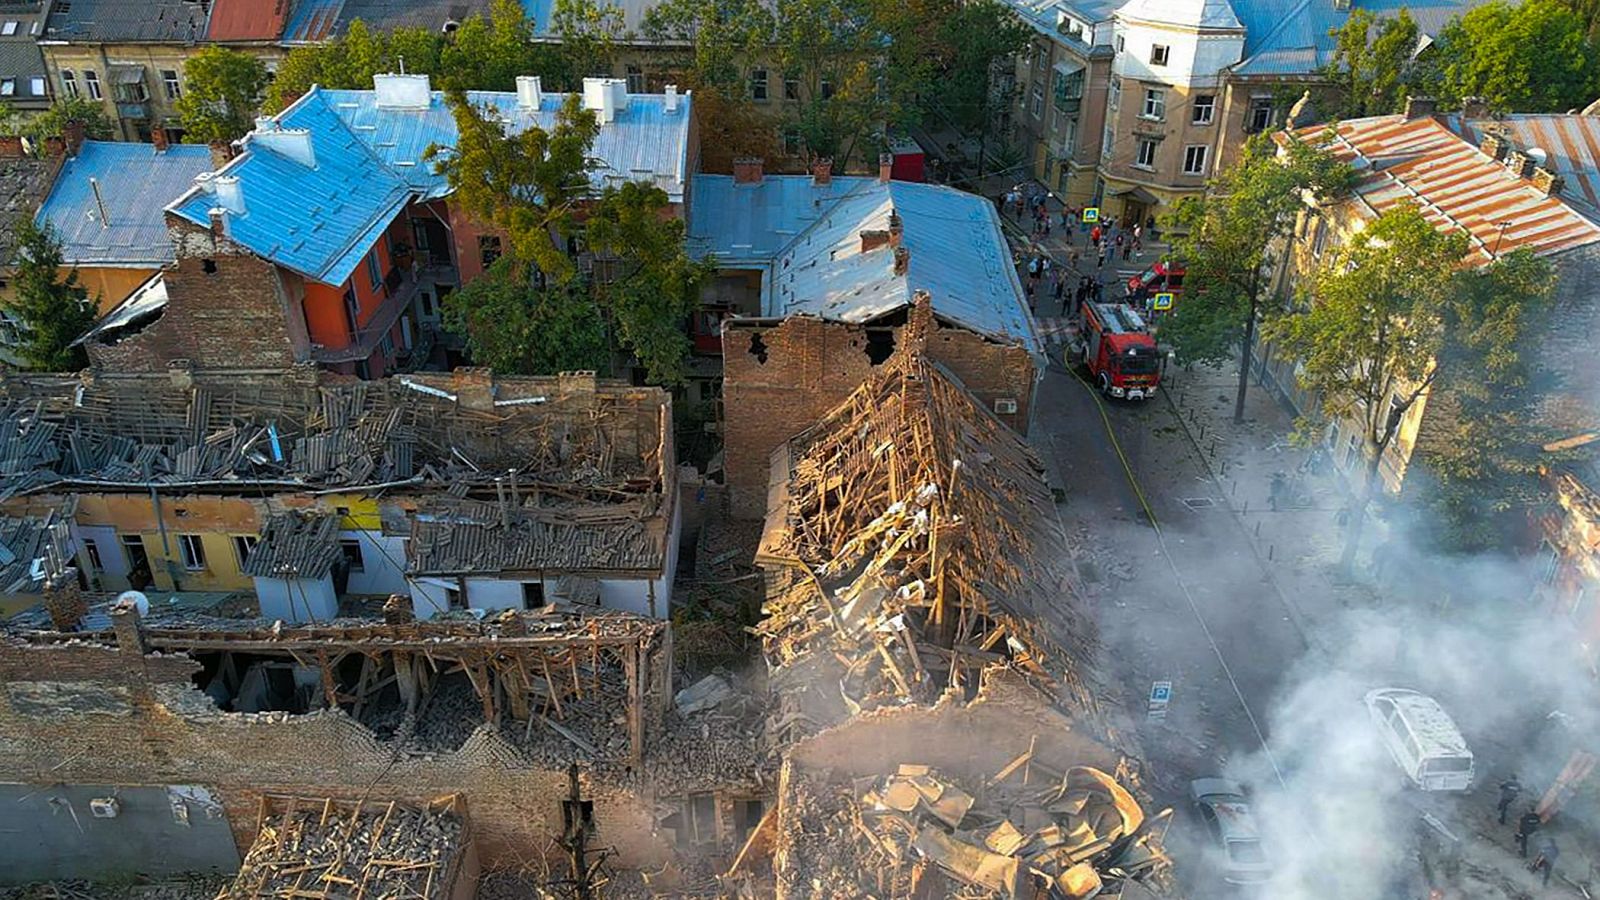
128, 20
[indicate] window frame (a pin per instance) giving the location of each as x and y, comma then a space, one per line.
91, 84
1252, 112
1189, 155
192, 552
1154, 107
1209, 106
243, 546
91, 555
170, 84
1145, 143
1160, 54
358, 559
10, 27
1036, 101
791, 88
36, 84
634, 75
760, 84
1114, 84
490, 249
8, 87
69, 83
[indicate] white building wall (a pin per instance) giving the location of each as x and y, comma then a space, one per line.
429, 597
114, 574
297, 600
494, 594
1192, 59
383, 558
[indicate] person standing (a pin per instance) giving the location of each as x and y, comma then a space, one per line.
1094, 235
1061, 289
1510, 789
1546, 860
1526, 826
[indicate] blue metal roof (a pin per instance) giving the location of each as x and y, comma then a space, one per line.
319, 220
135, 184
1291, 37
808, 239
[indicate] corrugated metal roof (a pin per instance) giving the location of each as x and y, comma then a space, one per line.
313, 21
135, 184
1286, 37
1041, 14
633, 13
387, 15
1420, 161
958, 252
1571, 143
247, 20
296, 545
165, 21
24, 183
1192, 13
147, 298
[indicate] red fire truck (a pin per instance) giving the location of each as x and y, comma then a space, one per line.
1161, 277
1120, 351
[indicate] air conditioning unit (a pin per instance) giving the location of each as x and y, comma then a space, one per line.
104, 807
1005, 407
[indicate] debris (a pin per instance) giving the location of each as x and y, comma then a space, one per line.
708, 693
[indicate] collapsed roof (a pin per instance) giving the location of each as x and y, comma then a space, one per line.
911, 540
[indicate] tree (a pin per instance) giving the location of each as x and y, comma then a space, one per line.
730, 128
656, 286
54, 309
1485, 463
1588, 12
1371, 62
349, 61
980, 38
528, 184
47, 124
1228, 238
718, 37
515, 327
1532, 57
489, 54
1369, 333
588, 33
222, 94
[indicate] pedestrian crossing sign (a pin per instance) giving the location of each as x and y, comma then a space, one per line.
1163, 301
1091, 214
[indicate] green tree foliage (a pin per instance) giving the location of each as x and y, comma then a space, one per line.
1370, 330
656, 285
221, 96
528, 184
1588, 12
731, 127
53, 308
350, 60
588, 32
1228, 238
97, 126
519, 328
718, 38
1484, 465
489, 54
978, 39
1371, 65
1535, 56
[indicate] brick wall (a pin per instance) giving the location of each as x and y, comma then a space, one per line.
84, 714
812, 365
238, 315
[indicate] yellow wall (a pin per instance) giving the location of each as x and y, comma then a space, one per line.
111, 286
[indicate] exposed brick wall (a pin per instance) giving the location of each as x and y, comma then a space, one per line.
813, 365
85, 714
242, 315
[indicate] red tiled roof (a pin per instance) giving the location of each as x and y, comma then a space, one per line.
1421, 161
247, 20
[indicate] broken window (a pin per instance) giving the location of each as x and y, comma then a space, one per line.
351, 549
208, 266
532, 594
91, 554
243, 546
880, 345
758, 347
746, 816
193, 552
700, 814
488, 249
576, 815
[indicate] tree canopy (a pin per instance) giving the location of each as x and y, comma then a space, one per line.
1371, 65
222, 92
1227, 239
96, 125
515, 327
53, 307
1535, 56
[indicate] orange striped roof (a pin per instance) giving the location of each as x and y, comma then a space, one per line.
1457, 186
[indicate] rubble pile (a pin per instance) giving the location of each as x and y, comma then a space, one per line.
335, 849
1029, 831
187, 887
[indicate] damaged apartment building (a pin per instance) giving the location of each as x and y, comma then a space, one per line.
329, 239
817, 277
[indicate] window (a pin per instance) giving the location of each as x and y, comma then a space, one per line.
8, 87
1106, 140
91, 555
1068, 87
1259, 116
36, 85
1041, 56
532, 594
243, 546
1159, 54
1116, 93
792, 142
827, 89
1205, 106
488, 248
1194, 159
374, 276
1145, 156
133, 92
351, 549
758, 85
69, 84
453, 600
1122, 43
386, 346
791, 88
1319, 239
352, 309
91, 80
193, 551
9, 28
635, 80
1037, 104
169, 80
1155, 104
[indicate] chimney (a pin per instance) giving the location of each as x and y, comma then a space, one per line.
55, 146
294, 143
606, 97
885, 167
391, 91
873, 239
11, 146
219, 221
221, 153
1547, 182
64, 601
747, 170
530, 92
822, 171
230, 195
1474, 108
1520, 163
129, 631
158, 137
897, 228
1493, 146
1341, 5
73, 133
672, 98
1417, 107
902, 261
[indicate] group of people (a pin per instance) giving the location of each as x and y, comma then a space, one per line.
1044, 276
1528, 825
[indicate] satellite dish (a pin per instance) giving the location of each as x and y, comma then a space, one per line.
135, 599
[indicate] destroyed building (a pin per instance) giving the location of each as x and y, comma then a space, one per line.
305, 486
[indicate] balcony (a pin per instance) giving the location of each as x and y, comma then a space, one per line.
401, 289
133, 109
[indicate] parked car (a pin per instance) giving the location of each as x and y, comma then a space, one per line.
1225, 810
1422, 738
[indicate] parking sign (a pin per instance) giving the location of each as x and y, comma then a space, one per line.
1163, 301
1091, 214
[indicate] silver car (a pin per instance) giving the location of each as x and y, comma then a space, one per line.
1232, 826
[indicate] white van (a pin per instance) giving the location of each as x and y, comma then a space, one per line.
1423, 740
